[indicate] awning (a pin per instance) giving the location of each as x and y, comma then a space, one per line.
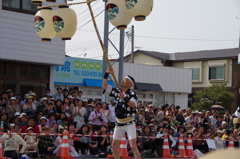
148, 87
95, 82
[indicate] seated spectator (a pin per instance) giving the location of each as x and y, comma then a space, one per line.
96, 116
51, 120
12, 143
42, 123
103, 142
58, 108
42, 107
4, 122
31, 140
148, 143
38, 117
64, 122
46, 143
30, 123
160, 136
29, 107
199, 141
17, 128
78, 114
82, 142
12, 108
218, 140
62, 116
48, 110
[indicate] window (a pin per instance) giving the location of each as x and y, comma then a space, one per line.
24, 6
216, 73
196, 74
2, 68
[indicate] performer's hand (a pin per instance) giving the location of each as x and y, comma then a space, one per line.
121, 95
110, 71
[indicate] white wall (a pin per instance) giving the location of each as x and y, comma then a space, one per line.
19, 42
170, 79
181, 99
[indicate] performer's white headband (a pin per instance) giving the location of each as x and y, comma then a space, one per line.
130, 81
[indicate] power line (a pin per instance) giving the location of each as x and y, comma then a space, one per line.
152, 37
91, 19
87, 9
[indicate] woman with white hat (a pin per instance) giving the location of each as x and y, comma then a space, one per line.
218, 140
12, 108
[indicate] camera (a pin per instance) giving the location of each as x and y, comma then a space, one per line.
100, 118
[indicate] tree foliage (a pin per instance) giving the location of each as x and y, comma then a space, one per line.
216, 94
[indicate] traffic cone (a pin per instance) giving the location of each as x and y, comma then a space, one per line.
64, 149
123, 149
189, 149
165, 148
181, 148
1, 153
230, 143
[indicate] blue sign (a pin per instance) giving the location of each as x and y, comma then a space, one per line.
75, 70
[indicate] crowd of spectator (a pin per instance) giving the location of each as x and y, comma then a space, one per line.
68, 110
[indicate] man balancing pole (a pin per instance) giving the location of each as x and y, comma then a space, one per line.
125, 110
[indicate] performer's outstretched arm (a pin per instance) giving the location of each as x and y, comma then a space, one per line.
105, 78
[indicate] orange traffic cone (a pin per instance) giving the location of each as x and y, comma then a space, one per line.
230, 143
123, 149
1, 153
181, 148
64, 149
165, 148
189, 149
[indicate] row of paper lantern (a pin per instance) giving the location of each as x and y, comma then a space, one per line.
63, 21
49, 23
120, 12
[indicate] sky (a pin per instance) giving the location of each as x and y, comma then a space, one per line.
173, 26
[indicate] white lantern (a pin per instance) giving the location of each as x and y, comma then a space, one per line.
38, 2
117, 13
44, 25
51, 1
65, 22
139, 9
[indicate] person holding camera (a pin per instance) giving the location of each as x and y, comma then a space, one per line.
96, 116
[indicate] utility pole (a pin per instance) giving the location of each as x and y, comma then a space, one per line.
121, 58
105, 41
132, 56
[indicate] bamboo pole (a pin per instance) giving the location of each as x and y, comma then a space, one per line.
67, 4
100, 41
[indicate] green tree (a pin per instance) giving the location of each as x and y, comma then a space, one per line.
216, 94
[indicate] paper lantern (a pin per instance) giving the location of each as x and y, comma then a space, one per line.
44, 25
118, 14
139, 9
38, 2
51, 1
65, 22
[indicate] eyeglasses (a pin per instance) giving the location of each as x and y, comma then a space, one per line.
40, 114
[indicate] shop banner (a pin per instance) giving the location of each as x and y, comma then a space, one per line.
75, 70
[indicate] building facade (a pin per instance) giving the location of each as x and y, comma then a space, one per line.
26, 63
154, 84
208, 67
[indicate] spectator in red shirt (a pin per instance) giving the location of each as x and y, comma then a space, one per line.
30, 123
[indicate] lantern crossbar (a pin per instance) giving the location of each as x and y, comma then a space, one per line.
114, 46
100, 41
67, 4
